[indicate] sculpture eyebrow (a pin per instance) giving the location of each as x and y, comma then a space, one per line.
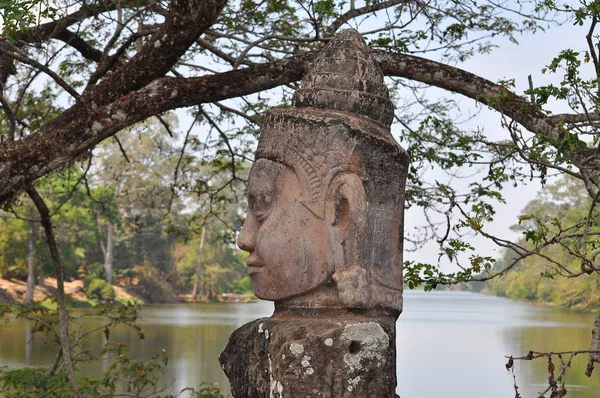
274, 160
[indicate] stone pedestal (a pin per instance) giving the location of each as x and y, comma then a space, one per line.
313, 354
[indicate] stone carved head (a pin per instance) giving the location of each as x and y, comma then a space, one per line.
326, 193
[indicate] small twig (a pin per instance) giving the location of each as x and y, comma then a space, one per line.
121, 148
59, 80
225, 140
216, 51
179, 160
356, 12
165, 125
557, 391
108, 63
251, 119
265, 38
510, 366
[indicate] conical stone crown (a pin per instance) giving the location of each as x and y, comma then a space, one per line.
345, 77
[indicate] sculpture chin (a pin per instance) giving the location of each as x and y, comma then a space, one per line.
265, 290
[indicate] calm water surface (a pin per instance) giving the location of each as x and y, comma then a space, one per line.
449, 344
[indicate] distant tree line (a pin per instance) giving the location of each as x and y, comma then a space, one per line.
548, 276
117, 219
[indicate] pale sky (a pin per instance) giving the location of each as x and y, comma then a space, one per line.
509, 61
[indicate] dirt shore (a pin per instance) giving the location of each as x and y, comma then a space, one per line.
14, 291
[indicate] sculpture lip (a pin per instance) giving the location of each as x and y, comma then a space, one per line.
255, 264
252, 269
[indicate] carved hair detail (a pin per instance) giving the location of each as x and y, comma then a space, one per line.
312, 163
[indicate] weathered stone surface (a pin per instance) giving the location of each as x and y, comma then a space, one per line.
324, 231
333, 356
326, 195
346, 78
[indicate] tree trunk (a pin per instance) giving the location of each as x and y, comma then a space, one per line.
196, 290
31, 256
108, 249
63, 315
28, 342
110, 252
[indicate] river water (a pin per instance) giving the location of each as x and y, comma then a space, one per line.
450, 344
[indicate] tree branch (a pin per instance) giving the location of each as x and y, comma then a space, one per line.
74, 40
11, 119
186, 21
252, 119
54, 29
216, 51
82, 126
574, 118
594, 346
471, 86
356, 12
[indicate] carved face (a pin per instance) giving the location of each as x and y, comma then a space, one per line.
290, 250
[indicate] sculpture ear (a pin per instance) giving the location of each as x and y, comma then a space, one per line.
347, 214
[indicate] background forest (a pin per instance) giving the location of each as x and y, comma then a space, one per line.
545, 277
121, 221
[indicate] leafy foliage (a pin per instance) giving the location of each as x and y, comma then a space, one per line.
126, 374
99, 290
553, 275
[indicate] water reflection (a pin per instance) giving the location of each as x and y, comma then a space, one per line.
454, 344
573, 334
449, 344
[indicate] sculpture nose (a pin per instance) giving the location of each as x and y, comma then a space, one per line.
246, 239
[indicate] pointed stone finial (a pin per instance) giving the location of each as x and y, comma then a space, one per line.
345, 77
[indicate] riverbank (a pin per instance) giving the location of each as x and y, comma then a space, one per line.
488, 289
14, 292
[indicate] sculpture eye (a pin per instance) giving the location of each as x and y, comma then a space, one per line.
262, 188
261, 206
261, 216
